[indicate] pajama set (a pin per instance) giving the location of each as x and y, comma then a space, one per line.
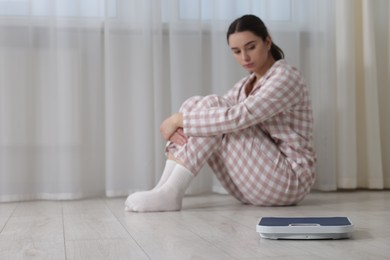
258, 145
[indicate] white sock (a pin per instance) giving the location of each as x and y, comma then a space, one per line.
169, 166
168, 197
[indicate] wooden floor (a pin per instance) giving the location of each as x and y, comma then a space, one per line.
209, 227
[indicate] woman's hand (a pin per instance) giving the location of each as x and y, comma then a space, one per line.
169, 127
178, 137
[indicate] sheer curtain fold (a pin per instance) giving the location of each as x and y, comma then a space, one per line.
361, 122
49, 106
83, 89
375, 178
137, 96
346, 95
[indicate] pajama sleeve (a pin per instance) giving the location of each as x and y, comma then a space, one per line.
232, 95
277, 93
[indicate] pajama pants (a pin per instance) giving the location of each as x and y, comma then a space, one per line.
248, 163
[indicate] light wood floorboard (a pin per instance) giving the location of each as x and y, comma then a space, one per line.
208, 227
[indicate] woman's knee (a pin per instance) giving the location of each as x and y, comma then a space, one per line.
200, 102
190, 103
217, 101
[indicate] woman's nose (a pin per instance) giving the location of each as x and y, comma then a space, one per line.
245, 56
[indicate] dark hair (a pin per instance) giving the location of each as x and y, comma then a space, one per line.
255, 25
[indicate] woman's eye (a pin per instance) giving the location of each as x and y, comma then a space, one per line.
251, 47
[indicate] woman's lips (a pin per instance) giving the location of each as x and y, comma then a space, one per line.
248, 65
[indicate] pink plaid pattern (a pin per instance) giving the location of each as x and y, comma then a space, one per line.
259, 146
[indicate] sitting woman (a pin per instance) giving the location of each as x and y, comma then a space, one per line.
257, 138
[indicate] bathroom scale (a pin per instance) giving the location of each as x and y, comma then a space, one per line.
305, 227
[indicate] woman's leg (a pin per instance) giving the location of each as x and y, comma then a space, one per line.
248, 163
189, 159
169, 166
167, 197
217, 164
259, 170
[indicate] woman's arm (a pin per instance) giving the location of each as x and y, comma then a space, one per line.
279, 93
172, 129
178, 137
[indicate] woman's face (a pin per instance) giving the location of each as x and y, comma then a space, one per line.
250, 51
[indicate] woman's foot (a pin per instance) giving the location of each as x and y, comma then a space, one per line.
167, 197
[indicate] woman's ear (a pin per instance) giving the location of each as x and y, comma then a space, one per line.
268, 42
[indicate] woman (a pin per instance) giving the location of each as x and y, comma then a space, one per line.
257, 138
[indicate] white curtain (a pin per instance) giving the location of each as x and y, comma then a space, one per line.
84, 86
362, 96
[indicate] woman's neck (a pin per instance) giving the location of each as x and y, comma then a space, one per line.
267, 65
